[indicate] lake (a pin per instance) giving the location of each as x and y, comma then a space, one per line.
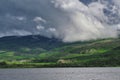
60, 74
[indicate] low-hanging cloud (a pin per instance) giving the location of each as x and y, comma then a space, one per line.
69, 20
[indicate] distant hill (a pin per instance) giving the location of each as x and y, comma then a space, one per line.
31, 41
39, 51
24, 47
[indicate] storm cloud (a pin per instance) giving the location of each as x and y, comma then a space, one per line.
69, 20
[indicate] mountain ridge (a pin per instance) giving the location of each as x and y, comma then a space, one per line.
30, 41
96, 53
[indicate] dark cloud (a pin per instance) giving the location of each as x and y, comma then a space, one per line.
67, 19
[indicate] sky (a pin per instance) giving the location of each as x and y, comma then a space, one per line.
68, 20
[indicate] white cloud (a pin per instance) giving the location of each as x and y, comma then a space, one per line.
96, 9
16, 33
21, 18
117, 2
39, 27
21, 32
51, 30
39, 19
14, 17
84, 21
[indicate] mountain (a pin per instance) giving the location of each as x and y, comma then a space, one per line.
39, 51
26, 47
31, 41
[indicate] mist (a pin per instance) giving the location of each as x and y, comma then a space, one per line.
68, 20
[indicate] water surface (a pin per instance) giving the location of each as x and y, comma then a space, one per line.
61, 74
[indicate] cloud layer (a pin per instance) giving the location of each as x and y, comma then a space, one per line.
69, 20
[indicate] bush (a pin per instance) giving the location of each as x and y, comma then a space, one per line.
3, 63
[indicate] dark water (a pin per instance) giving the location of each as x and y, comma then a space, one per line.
61, 74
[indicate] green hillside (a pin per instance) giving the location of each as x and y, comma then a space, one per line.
97, 53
